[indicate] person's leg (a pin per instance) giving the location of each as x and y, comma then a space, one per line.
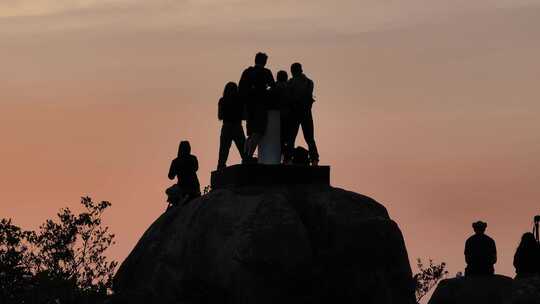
239, 140
257, 130
224, 145
283, 135
285, 131
251, 144
293, 126
309, 136
249, 139
248, 151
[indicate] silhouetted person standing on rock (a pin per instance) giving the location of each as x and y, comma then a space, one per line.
282, 95
254, 86
480, 252
301, 90
527, 257
184, 167
230, 110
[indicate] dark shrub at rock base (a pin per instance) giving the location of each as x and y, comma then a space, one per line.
279, 244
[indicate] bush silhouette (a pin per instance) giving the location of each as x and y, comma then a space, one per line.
428, 277
63, 261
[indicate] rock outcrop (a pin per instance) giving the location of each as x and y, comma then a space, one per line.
275, 244
495, 289
525, 291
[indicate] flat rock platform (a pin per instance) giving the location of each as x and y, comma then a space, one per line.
263, 175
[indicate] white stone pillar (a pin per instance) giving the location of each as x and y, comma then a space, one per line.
269, 150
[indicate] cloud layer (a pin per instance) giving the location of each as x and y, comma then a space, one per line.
344, 16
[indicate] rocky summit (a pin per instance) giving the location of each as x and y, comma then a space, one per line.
270, 244
491, 289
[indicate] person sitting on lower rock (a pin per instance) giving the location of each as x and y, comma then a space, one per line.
480, 252
184, 167
527, 257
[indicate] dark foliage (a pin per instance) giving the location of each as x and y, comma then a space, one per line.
62, 262
428, 277
14, 261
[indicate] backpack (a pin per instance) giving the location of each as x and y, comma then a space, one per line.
300, 156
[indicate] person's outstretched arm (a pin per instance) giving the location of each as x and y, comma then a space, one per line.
172, 174
271, 81
245, 82
195, 163
494, 253
310, 91
467, 252
221, 109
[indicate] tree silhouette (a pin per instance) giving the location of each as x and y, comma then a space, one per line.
428, 277
14, 262
63, 261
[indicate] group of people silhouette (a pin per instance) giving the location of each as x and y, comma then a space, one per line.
274, 111
481, 254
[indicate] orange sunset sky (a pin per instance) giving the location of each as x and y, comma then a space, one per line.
429, 106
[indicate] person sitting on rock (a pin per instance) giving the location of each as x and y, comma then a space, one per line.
480, 252
527, 257
230, 110
184, 167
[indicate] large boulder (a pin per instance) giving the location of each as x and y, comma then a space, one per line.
525, 291
494, 289
487, 289
273, 244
